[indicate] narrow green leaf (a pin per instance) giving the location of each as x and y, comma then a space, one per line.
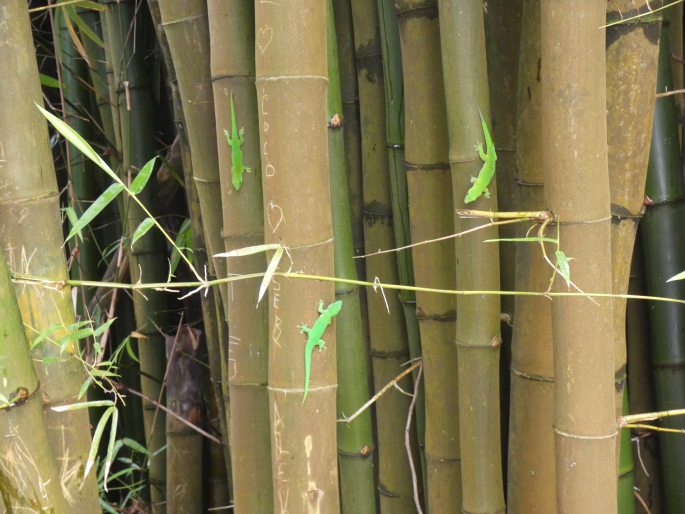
82, 405
75, 139
48, 81
83, 27
183, 242
129, 350
135, 446
143, 176
84, 387
96, 208
73, 219
110, 446
101, 329
142, 229
97, 435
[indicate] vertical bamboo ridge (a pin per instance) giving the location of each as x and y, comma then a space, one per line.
32, 243
577, 191
135, 112
292, 82
431, 215
478, 327
531, 472
387, 330
232, 42
632, 57
660, 229
30, 478
356, 445
186, 27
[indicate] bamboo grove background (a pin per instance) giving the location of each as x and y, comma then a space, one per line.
360, 120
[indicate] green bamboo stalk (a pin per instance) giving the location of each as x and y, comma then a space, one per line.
83, 190
431, 216
394, 128
660, 229
135, 107
356, 445
531, 475
32, 241
477, 266
291, 85
503, 19
231, 33
344, 33
387, 330
641, 384
186, 27
30, 479
577, 192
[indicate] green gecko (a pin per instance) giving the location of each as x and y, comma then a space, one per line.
314, 335
235, 141
480, 184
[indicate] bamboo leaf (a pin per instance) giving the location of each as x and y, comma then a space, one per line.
48, 81
97, 435
101, 329
129, 350
679, 276
83, 405
73, 219
84, 387
74, 36
270, 270
183, 242
96, 208
110, 446
142, 229
135, 445
75, 139
143, 176
83, 27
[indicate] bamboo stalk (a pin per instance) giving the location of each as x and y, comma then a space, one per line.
356, 445
431, 215
32, 241
660, 229
387, 330
531, 463
573, 51
477, 265
291, 85
231, 32
30, 475
135, 108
